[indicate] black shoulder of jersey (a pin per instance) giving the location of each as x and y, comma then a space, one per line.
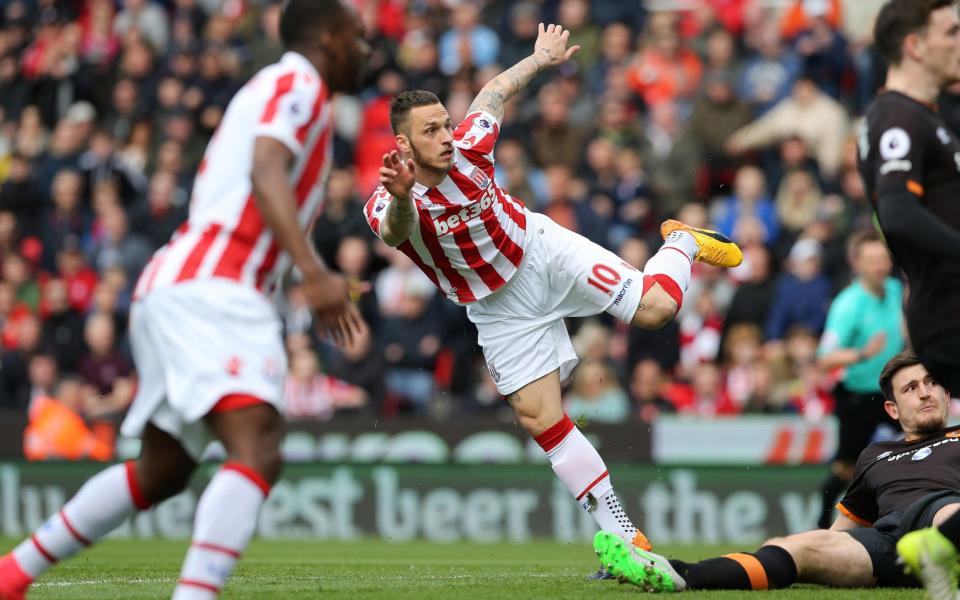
880, 450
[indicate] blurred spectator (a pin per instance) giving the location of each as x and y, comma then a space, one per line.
646, 386
798, 201
164, 210
468, 43
803, 387
716, 115
566, 205
20, 194
66, 217
615, 50
801, 14
824, 53
754, 296
768, 74
62, 327
375, 137
146, 17
101, 163
119, 246
553, 140
596, 396
705, 395
267, 48
57, 429
411, 340
749, 199
665, 71
807, 113
102, 363
18, 273
741, 354
574, 15
309, 394
671, 158
803, 292
700, 328
517, 43
15, 378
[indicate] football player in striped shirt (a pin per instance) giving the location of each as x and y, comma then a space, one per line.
206, 339
517, 272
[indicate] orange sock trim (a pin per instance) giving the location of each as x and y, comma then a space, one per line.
755, 570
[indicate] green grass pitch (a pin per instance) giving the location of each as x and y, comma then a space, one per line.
132, 569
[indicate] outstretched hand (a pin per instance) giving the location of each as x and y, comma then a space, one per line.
397, 175
551, 45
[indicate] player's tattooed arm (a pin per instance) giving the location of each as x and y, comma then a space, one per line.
398, 177
549, 50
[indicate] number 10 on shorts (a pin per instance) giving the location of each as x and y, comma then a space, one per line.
604, 278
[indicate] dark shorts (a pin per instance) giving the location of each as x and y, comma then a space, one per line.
941, 356
880, 540
858, 416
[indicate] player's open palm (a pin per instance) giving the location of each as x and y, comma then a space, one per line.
552, 44
397, 175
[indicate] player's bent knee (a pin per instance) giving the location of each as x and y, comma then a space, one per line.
655, 313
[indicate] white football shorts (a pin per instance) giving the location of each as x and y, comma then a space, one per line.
562, 274
194, 343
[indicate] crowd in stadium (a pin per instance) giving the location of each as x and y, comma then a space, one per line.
736, 114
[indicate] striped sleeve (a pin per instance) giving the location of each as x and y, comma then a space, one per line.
476, 135
376, 209
289, 106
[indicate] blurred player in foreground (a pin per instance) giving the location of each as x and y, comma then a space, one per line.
910, 164
206, 339
898, 487
518, 273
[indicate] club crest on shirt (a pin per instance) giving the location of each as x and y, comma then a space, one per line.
480, 178
943, 136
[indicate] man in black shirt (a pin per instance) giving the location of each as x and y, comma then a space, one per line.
898, 486
910, 164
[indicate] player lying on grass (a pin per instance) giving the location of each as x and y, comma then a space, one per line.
898, 487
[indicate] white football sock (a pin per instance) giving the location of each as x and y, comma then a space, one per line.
225, 521
101, 505
580, 468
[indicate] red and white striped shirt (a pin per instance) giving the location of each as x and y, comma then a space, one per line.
225, 235
470, 235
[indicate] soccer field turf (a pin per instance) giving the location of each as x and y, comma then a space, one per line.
270, 570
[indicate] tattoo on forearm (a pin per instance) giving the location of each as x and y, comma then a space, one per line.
400, 217
503, 87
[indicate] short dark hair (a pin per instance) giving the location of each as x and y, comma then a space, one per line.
902, 360
301, 19
404, 102
897, 20
860, 238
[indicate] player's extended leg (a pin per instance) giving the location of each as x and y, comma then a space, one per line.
821, 556
932, 556
226, 516
667, 274
574, 459
102, 504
